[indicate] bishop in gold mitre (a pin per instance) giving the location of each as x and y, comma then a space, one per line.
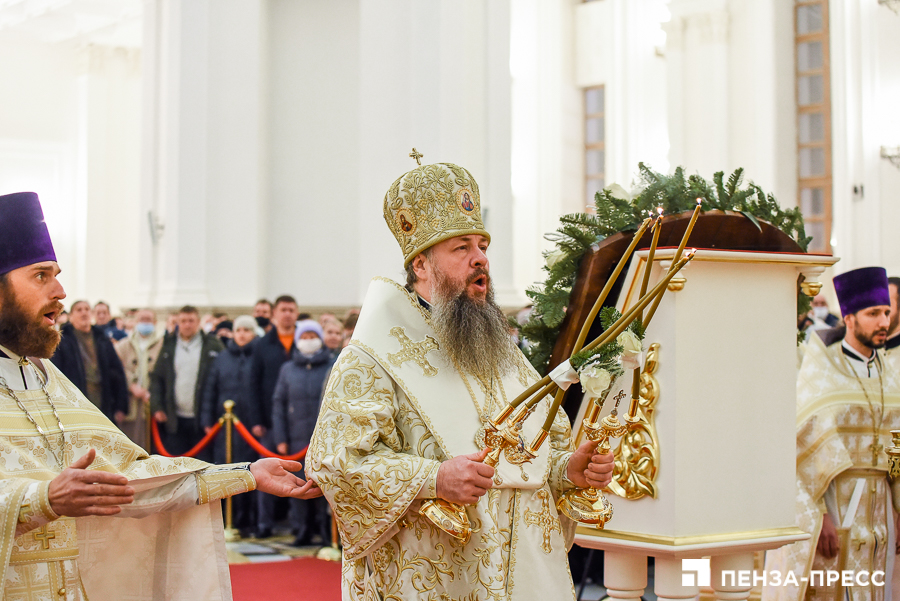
848, 401
68, 475
430, 360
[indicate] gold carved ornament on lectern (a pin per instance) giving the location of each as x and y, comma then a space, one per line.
637, 456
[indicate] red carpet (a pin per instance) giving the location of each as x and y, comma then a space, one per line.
303, 579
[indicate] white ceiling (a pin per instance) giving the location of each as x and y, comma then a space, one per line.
106, 22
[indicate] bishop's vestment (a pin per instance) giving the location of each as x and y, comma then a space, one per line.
394, 408
841, 438
176, 550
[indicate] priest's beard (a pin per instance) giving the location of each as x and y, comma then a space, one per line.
868, 338
25, 334
473, 333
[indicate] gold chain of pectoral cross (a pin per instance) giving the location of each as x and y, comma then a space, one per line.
876, 447
490, 396
62, 429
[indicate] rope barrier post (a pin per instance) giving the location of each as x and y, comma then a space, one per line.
332, 553
148, 415
232, 534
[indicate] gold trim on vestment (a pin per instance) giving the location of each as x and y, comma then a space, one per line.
681, 541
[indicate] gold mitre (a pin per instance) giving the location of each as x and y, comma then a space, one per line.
430, 204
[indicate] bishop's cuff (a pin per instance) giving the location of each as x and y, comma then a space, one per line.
222, 481
429, 487
35, 510
559, 478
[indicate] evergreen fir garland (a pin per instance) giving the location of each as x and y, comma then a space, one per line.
617, 212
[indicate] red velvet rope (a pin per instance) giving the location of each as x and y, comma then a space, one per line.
242, 430
154, 427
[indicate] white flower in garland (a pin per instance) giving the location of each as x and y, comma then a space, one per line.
633, 355
554, 257
617, 191
594, 379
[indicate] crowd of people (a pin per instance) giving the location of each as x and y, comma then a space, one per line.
272, 364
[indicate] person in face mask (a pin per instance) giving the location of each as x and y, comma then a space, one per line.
295, 407
138, 353
822, 317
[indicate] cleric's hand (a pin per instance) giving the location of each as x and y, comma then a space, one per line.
589, 468
828, 545
274, 477
78, 491
464, 478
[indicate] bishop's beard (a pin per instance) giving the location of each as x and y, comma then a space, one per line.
474, 334
25, 334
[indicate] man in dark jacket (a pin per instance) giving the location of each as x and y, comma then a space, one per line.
88, 358
295, 407
177, 382
271, 351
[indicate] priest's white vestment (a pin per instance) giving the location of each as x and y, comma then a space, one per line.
175, 551
841, 438
394, 408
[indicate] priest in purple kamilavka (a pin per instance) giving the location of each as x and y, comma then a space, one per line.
67, 474
848, 401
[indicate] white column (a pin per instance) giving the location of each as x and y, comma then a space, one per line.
203, 151
723, 588
698, 82
624, 575
667, 581
440, 82
108, 142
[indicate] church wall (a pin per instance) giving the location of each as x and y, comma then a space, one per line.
237, 152
731, 82
71, 133
439, 82
109, 100
865, 80
312, 245
886, 130
37, 137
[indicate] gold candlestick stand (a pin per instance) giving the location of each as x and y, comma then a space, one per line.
581, 504
232, 534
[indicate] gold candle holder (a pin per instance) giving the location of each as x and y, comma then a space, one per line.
502, 436
893, 453
590, 506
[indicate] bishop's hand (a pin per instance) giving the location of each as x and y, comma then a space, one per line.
274, 477
465, 478
589, 468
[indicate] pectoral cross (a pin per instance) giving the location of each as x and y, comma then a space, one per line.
44, 536
876, 449
415, 154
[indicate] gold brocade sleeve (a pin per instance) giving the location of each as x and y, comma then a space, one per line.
221, 481
562, 445
357, 456
35, 510
12, 499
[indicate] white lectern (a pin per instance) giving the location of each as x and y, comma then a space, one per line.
724, 417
